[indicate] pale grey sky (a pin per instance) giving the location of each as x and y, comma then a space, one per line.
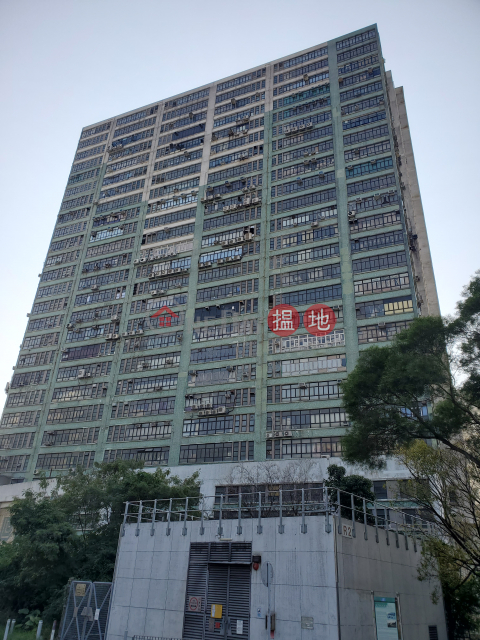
65, 64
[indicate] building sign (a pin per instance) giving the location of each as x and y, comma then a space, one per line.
216, 611
194, 604
164, 315
283, 320
319, 320
386, 619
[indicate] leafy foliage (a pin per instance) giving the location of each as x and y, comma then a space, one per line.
72, 531
30, 620
360, 486
435, 364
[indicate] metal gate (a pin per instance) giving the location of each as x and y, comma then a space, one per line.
219, 573
86, 612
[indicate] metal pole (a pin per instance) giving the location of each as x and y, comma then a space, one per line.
7, 628
12, 627
396, 534
339, 512
52, 635
405, 530
385, 520
154, 515
376, 521
328, 526
220, 528
202, 528
239, 525
365, 529
303, 528
139, 518
259, 525
39, 630
168, 517
124, 518
184, 530
269, 621
281, 528
352, 502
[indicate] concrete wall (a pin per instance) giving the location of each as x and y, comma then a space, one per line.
367, 568
150, 581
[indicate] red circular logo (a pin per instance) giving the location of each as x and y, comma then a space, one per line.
283, 320
319, 319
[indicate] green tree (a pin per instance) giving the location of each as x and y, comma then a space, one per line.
418, 398
359, 486
433, 364
72, 531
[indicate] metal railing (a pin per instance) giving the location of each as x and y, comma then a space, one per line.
358, 512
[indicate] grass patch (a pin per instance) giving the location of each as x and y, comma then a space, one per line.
20, 634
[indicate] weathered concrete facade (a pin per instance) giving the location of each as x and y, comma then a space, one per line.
320, 579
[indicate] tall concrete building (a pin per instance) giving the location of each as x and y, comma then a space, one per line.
184, 224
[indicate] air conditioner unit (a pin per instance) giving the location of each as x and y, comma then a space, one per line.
115, 318
305, 77
125, 334
237, 257
381, 325
256, 200
208, 264
94, 287
287, 434
314, 224
143, 260
220, 410
301, 127
220, 261
152, 276
309, 125
70, 326
202, 414
226, 207
109, 336
115, 336
249, 236
139, 332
